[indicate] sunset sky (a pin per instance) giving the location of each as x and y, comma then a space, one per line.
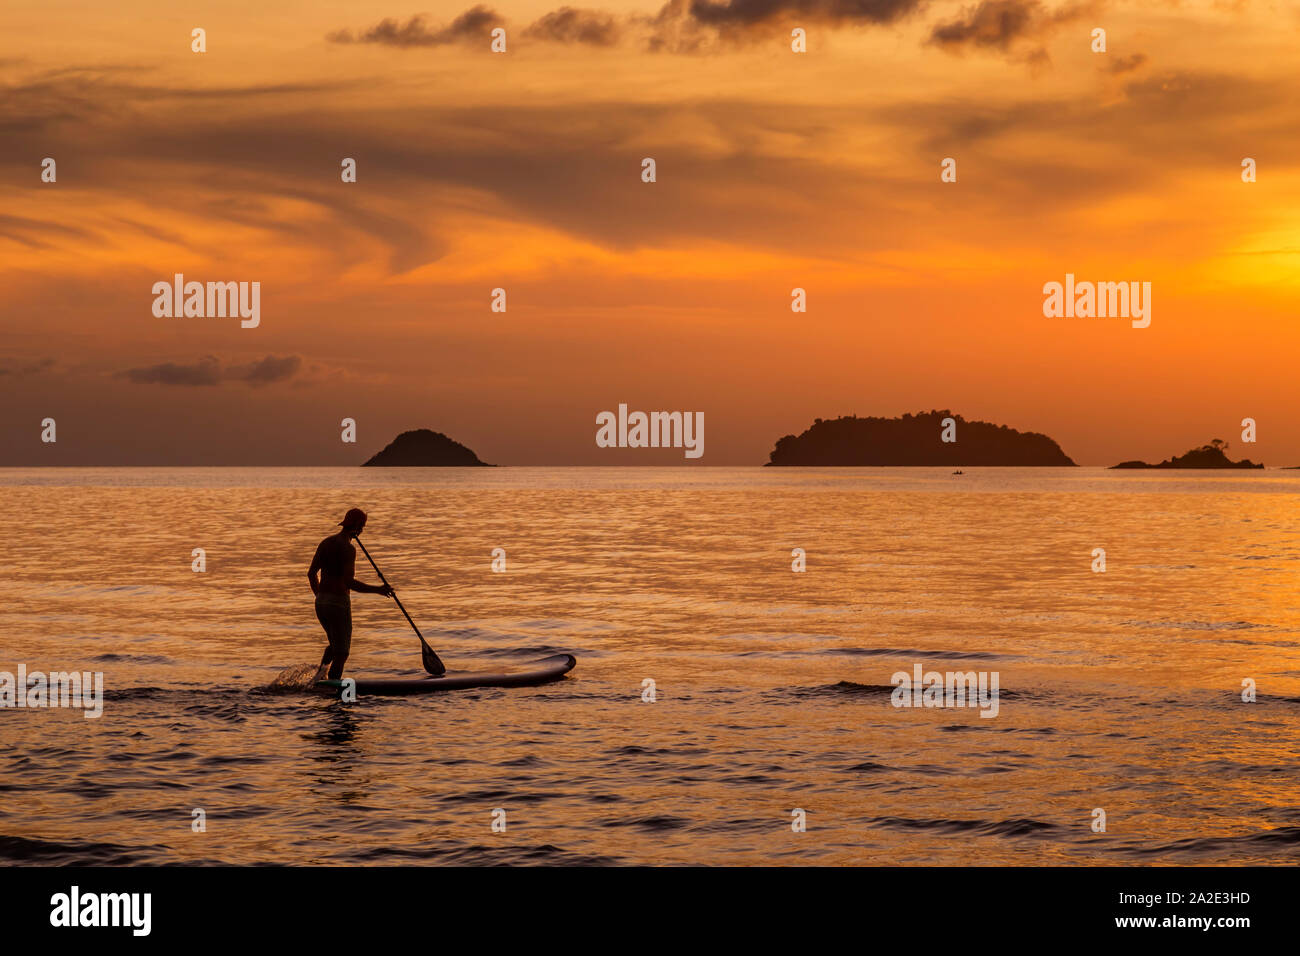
522, 170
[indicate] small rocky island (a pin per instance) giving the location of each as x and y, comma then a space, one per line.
423, 448
1207, 456
915, 440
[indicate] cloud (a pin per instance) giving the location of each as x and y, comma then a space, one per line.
38, 233
208, 371
729, 172
570, 25
994, 23
697, 26
750, 12
1126, 64
31, 368
680, 26
273, 368
474, 24
999, 24
83, 113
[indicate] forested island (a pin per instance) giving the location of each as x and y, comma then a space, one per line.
423, 448
1212, 455
917, 439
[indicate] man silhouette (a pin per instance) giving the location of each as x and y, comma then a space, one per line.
336, 563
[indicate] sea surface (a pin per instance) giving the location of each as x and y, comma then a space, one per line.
1120, 691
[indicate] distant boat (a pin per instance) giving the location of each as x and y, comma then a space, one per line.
959, 472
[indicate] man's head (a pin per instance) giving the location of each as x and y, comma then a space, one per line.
353, 522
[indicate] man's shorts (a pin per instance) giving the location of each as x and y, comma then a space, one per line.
334, 611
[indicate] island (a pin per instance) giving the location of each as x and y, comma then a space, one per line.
1207, 456
423, 448
917, 439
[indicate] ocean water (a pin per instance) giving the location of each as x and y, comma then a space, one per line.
1119, 691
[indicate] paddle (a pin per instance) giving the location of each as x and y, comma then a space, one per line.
431, 662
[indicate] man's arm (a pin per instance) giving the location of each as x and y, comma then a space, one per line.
360, 587
364, 588
314, 570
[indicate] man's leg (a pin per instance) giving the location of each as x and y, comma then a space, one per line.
325, 661
340, 640
333, 623
337, 621
336, 669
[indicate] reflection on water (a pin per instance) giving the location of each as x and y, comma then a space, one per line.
1120, 690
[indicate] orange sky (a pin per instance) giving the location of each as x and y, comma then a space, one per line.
522, 170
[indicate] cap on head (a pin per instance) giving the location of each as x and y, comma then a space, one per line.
354, 520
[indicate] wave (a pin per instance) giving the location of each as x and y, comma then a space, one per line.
845, 688
848, 688
1281, 838
869, 766
532, 651
637, 750
183, 697
1196, 625
545, 854
653, 824
75, 853
909, 652
1015, 827
114, 658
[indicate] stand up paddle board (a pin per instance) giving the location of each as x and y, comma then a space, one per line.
539, 672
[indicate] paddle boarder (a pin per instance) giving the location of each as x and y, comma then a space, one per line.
336, 563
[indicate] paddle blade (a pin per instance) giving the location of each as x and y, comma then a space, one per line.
431, 662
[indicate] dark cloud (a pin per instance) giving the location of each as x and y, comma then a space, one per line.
100, 104
994, 23
569, 167
474, 24
38, 233
998, 24
31, 368
1126, 64
574, 168
1166, 100
273, 368
208, 371
702, 26
673, 30
680, 26
570, 25
749, 12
